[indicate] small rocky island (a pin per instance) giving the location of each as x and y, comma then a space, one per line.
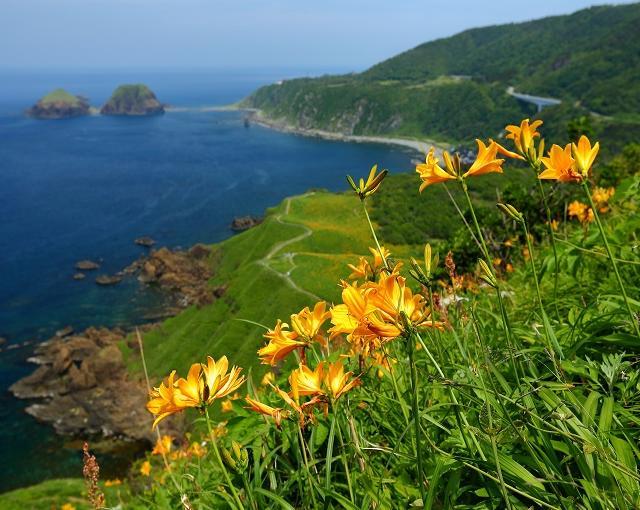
59, 104
132, 100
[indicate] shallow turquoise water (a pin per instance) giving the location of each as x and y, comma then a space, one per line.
87, 187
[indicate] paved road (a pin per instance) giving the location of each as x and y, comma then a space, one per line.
539, 101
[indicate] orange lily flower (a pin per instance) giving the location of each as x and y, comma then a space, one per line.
379, 256
163, 445
281, 343
338, 382
505, 152
191, 392
307, 324
219, 383
393, 298
524, 134
584, 155
162, 399
276, 413
430, 171
304, 381
560, 165
145, 468
268, 378
486, 161
360, 271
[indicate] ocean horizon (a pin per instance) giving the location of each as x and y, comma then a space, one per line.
85, 188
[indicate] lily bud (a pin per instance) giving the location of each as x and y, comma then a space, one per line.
540, 149
352, 183
364, 189
238, 460
487, 275
427, 258
417, 273
450, 165
511, 211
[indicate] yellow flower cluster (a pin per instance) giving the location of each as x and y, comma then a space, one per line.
306, 325
582, 212
486, 161
326, 383
204, 384
571, 164
374, 313
601, 197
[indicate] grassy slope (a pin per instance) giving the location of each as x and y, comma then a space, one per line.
52, 494
258, 292
324, 232
60, 96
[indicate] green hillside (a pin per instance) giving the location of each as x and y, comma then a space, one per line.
60, 96
450, 88
270, 271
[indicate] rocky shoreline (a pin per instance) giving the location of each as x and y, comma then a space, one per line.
82, 385
420, 147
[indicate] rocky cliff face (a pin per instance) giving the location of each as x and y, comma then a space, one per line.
132, 100
59, 104
82, 383
83, 387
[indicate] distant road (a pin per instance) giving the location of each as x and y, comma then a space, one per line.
539, 101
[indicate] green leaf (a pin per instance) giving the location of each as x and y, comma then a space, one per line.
512, 467
274, 497
606, 415
590, 408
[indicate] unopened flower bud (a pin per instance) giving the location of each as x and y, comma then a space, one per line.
487, 275
510, 211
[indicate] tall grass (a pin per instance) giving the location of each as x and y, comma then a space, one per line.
436, 391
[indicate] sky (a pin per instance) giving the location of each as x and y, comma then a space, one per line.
330, 35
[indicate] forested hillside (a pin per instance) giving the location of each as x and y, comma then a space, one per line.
447, 89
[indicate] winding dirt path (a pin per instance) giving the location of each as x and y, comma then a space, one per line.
264, 262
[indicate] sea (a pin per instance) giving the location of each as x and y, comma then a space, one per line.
86, 188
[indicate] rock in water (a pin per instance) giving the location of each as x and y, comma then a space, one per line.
87, 265
106, 279
145, 241
132, 100
79, 276
244, 223
59, 104
66, 331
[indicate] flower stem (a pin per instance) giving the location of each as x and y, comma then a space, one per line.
553, 247
158, 434
634, 321
343, 457
216, 450
416, 412
461, 418
306, 465
375, 238
485, 250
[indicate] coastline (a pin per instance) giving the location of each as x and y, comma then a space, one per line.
257, 116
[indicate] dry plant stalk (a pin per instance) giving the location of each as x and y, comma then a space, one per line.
91, 473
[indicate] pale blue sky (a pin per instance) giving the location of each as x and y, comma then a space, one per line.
337, 35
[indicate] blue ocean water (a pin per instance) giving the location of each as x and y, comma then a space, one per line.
87, 187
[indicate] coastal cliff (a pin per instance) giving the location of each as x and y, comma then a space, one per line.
59, 104
450, 89
134, 100
82, 382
